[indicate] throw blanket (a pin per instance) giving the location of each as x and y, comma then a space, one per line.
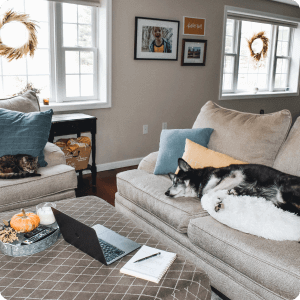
253, 215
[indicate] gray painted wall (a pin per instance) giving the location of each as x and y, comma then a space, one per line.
152, 92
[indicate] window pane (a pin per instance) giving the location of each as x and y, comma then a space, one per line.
86, 62
282, 48
262, 81
39, 63
85, 35
37, 9
43, 35
72, 86
72, 62
252, 80
15, 67
70, 35
280, 81
243, 82
229, 27
2, 94
42, 83
87, 85
252, 74
243, 65
283, 41
69, 13
227, 82
229, 44
84, 14
12, 4
14, 84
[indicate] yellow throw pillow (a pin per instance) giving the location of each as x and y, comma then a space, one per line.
199, 157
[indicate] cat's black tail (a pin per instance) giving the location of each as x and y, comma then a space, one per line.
17, 175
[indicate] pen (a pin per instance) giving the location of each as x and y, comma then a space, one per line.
147, 257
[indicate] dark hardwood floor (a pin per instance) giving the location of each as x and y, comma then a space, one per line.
106, 185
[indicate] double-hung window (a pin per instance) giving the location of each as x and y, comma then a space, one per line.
241, 75
65, 66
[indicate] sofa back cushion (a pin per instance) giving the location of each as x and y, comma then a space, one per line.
288, 157
252, 138
28, 102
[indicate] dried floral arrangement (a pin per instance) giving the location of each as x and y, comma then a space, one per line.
263, 53
12, 53
29, 87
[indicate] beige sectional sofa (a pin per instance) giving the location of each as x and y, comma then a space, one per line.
241, 266
58, 180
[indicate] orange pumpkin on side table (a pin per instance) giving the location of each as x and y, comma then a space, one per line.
25, 222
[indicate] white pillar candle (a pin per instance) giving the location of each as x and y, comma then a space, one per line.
46, 215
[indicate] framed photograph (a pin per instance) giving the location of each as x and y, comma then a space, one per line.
193, 26
193, 52
156, 39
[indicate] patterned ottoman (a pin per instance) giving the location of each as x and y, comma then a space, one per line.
64, 272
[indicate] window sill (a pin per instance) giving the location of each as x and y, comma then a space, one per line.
240, 96
74, 105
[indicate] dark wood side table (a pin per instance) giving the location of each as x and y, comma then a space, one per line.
66, 124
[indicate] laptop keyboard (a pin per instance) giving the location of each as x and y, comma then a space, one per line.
110, 252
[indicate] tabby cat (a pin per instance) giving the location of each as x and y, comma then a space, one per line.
18, 166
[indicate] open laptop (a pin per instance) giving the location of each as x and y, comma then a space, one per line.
99, 242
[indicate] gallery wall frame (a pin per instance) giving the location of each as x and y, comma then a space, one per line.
193, 52
193, 26
156, 39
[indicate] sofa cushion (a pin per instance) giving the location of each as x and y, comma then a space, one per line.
55, 179
264, 261
252, 138
24, 133
288, 157
53, 155
171, 146
148, 192
28, 102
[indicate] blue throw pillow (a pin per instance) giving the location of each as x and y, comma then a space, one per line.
171, 146
24, 133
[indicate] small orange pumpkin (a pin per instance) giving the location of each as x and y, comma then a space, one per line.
25, 222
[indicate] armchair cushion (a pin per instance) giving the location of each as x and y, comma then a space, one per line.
53, 155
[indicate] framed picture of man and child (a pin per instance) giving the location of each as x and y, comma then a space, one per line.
156, 39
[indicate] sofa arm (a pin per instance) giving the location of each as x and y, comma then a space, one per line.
148, 163
53, 155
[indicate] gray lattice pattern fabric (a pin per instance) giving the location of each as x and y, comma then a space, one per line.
64, 272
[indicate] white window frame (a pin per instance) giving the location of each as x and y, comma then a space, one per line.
293, 59
103, 43
60, 92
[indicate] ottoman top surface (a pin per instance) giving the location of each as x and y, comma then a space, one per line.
64, 272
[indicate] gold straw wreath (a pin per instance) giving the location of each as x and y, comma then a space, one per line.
12, 53
257, 56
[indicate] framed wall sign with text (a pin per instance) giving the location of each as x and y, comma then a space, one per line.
193, 26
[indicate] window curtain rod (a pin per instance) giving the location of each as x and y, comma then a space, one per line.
261, 19
80, 2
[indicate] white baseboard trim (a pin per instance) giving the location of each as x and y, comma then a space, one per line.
116, 165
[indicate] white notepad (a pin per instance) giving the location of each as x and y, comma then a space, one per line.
152, 269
